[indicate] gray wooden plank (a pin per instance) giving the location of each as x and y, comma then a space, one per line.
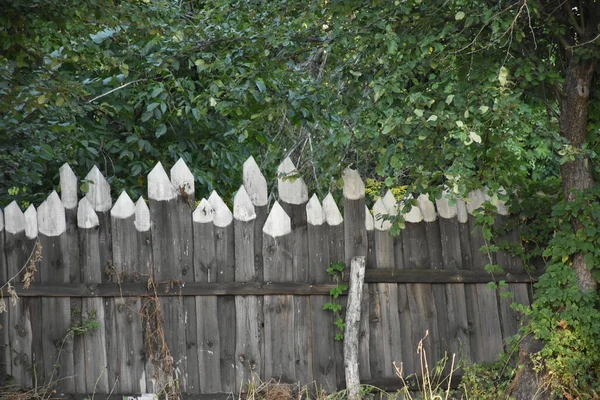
4, 337
408, 345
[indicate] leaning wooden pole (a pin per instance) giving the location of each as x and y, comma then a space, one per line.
351, 333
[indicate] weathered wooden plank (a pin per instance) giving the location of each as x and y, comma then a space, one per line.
225, 262
279, 310
248, 309
96, 364
391, 205
335, 225
19, 318
293, 196
370, 226
322, 320
68, 196
129, 340
407, 355
207, 324
352, 330
384, 242
57, 341
166, 253
4, 337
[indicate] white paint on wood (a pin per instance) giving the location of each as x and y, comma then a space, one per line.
354, 187
124, 207
390, 203
159, 185
314, 211
500, 204
68, 186
369, 222
333, 217
14, 219
1, 220
243, 209
86, 216
31, 223
414, 215
223, 216
475, 200
99, 190
461, 211
51, 216
445, 210
182, 177
255, 183
291, 186
142, 216
204, 213
278, 223
427, 208
380, 212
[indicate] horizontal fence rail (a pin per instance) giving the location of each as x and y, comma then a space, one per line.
172, 293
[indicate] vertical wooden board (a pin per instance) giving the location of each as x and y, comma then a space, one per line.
225, 261
392, 350
167, 256
355, 232
390, 203
280, 357
370, 225
414, 241
248, 309
464, 234
321, 320
57, 341
384, 242
19, 319
95, 357
129, 339
406, 356
4, 337
376, 337
424, 322
207, 325
256, 187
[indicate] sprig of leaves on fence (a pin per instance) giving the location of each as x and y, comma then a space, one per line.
336, 271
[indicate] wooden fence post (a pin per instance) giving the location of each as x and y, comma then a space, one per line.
351, 333
4, 337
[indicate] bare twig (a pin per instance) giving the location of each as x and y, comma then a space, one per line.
115, 89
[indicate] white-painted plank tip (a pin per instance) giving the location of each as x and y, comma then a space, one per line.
68, 186
1, 220
14, 219
51, 216
86, 216
204, 213
291, 186
414, 215
380, 212
461, 211
390, 202
160, 187
354, 187
142, 216
243, 209
123, 208
182, 177
445, 210
223, 216
475, 200
427, 208
333, 217
255, 182
278, 223
314, 211
31, 223
99, 190
369, 221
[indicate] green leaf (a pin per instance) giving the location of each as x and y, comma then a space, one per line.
161, 130
260, 84
459, 15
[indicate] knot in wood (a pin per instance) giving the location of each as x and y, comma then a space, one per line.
184, 271
20, 359
582, 89
189, 345
242, 358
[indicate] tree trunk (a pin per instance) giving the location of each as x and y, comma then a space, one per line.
577, 174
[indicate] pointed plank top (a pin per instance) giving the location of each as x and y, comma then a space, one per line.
223, 216
461, 211
314, 211
390, 203
142, 216
369, 222
445, 210
86, 216
500, 204
331, 211
99, 190
123, 208
159, 185
1, 221
278, 223
427, 208
414, 215
182, 177
31, 224
51, 216
204, 213
243, 209
292, 189
14, 219
255, 183
476, 199
380, 211
68, 186
354, 187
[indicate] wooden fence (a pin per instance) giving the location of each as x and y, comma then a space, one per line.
239, 294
